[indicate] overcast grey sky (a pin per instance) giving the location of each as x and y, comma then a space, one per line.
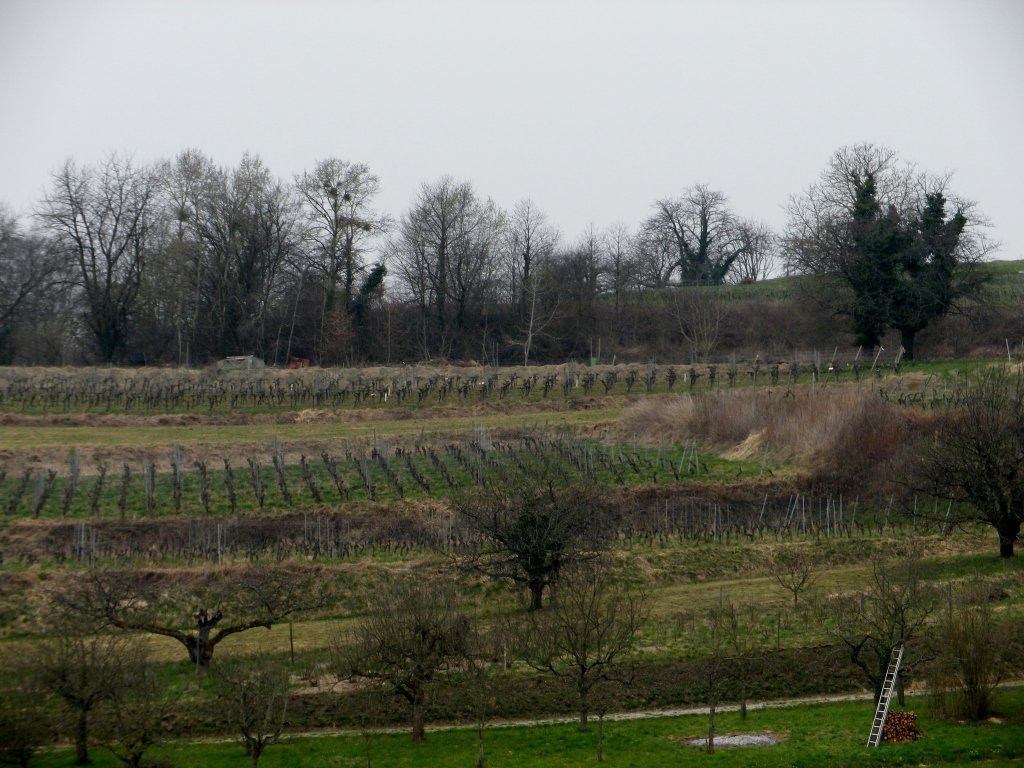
592, 109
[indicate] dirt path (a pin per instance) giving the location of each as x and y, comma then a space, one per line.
642, 714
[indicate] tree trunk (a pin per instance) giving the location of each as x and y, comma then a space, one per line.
82, 738
743, 700
200, 651
536, 595
417, 720
1005, 547
711, 724
600, 737
584, 711
480, 744
255, 759
899, 689
1008, 527
907, 340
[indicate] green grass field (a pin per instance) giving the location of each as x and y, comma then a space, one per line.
831, 734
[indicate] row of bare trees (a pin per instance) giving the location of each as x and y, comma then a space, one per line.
418, 632
187, 261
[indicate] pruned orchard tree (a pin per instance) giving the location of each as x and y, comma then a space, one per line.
713, 670
794, 571
134, 718
892, 612
255, 693
82, 669
889, 252
975, 456
701, 233
412, 632
533, 524
100, 222
587, 633
223, 606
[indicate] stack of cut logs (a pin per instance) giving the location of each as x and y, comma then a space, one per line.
900, 726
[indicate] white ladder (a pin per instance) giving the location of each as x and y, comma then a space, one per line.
882, 710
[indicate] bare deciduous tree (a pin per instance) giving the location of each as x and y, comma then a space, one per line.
701, 233
255, 597
27, 273
794, 572
134, 717
82, 669
698, 314
533, 526
413, 632
338, 198
528, 241
891, 613
255, 693
444, 252
976, 455
101, 222
622, 269
537, 312
760, 257
247, 229
587, 632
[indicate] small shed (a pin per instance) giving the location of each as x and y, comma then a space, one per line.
241, 363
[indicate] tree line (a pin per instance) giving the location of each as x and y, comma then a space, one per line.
187, 261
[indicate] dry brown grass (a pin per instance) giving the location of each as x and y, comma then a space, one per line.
841, 435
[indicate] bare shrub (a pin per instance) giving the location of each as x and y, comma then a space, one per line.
974, 648
794, 572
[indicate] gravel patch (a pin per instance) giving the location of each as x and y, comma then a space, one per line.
737, 740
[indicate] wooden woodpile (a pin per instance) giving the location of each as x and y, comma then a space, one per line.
900, 726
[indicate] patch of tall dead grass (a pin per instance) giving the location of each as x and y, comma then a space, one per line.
843, 436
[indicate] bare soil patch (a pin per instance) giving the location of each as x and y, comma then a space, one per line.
737, 740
